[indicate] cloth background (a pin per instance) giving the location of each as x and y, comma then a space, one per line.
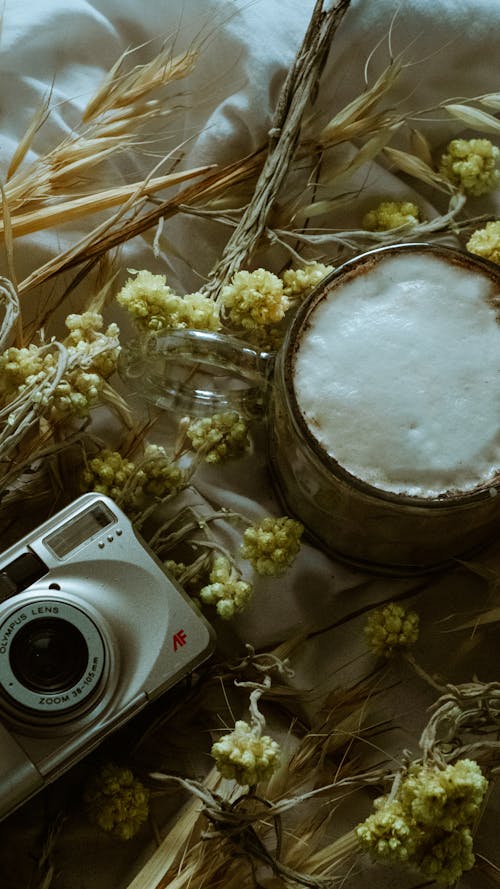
224, 110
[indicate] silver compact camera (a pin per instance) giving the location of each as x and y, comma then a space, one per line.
91, 629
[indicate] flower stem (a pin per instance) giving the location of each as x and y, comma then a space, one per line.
423, 674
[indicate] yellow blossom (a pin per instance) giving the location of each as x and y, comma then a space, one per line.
128, 482
21, 368
116, 801
428, 822
176, 569
386, 833
158, 474
87, 329
246, 756
91, 357
485, 242
226, 590
272, 544
471, 165
390, 629
444, 798
107, 473
296, 282
391, 214
254, 299
155, 307
219, 437
267, 339
448, 857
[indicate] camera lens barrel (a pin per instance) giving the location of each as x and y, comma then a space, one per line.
52, 656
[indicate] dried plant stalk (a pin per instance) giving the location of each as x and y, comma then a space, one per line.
8, 295
67, 211
111, 234
356, 118
120, 105
295, 95
120, 90
173, 845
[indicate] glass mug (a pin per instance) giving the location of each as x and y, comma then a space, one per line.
364, 516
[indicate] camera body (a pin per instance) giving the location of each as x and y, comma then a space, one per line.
92, 628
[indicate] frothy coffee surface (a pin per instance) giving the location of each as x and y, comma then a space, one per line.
397, 375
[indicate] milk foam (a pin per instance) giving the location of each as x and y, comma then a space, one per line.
397, 376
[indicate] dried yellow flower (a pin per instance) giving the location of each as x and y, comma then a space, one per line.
448, 857
471, 165
428, 824
386, 833
391, 214
88, 340
296, 282
155, 307
157, 474
226, 590
485, 242
391, 629
220, 437
444, 798
254, 299
116, 801
92, 356
107, 473
246, 756
272, 544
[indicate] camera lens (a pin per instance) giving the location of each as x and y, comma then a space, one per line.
54, 656
49, 655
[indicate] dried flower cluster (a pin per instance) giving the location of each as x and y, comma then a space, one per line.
252, 304
272, 544
225, 589
391, 214
116, 801
428, 822
155, 307
107, 473
299, 281
254, 299
471, 165
154, 475
90, 356
391, 629
485, 242
219, 437
245, 755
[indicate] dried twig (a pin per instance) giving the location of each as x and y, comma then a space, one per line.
297, 92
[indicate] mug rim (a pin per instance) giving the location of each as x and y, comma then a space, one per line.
447, 499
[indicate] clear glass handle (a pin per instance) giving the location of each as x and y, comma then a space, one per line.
197, 372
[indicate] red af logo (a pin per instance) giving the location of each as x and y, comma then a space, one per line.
179, 639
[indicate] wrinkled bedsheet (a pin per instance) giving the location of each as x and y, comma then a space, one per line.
224, 108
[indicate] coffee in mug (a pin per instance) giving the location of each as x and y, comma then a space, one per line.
385, 429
